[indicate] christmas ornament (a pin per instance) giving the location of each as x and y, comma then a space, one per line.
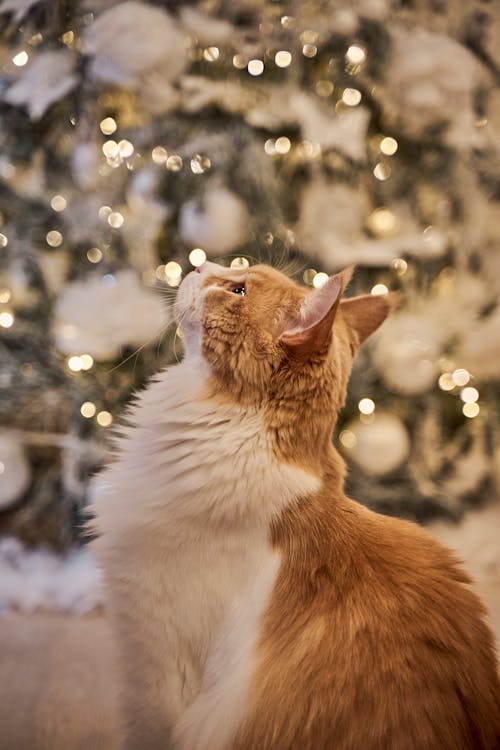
218, 225
101, 314
15, 470
380, 446
47, 79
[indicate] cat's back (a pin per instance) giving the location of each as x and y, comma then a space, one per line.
372, 639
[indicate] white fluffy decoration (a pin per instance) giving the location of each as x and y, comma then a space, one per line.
219, 225
99, 315
330, 228
479, 350
132, 41
15, 472
85, 162
46, 80
381, 446
431, 80
39, 579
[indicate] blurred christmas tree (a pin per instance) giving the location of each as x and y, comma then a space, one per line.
137, 139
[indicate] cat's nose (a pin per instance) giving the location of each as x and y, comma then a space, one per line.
207, 267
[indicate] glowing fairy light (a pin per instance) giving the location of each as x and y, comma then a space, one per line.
446, 382
54, 238
308, 276
20, 59
3, 240
6, 319
74, 363
94, 255
382, 171
115, 219
283, 58
88, 409
173, 273
104, 419
159, 155
5, 295
282, 145
240, 62
309, 50
348, 439
320, 280
388, 145
87, 361
469, 395
211, 54
104, 212
197, 257
125, 148
58, 203
255, 67
366, 406
351, 97
355, 54
471, 410
324, 88
200, 164
174, 163
379, 289
108, 126
399, 266
382, 221
240, 263
460, 377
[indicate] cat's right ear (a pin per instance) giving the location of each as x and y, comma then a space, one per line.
312, 331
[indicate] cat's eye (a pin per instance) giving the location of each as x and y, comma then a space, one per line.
239, 290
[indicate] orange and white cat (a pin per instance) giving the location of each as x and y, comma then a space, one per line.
255, 606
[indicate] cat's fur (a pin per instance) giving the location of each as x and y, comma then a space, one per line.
256, 607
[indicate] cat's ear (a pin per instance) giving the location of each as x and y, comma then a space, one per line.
363, 315
311, 333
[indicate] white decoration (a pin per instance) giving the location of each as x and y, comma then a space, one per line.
431, 80
85, 162
143, 220
381, 446
15, 470
132, 41
39, 579
21, 8
46, 80
99, 315
219, 225
206, 29
479, 351
330, 227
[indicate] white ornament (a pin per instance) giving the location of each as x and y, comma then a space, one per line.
46, 80
15, 470
219, 225
101, 314
381, 446
132, 40
431, 80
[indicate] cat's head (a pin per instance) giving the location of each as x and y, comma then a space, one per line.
261, 333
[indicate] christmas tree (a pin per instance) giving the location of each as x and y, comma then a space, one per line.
139, 139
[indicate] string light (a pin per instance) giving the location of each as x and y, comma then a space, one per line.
104, 419
471, 410
108, 126
104, 212
366, 406
5, 295
87, 361
283, 58
88, 409
200, 164
58, 203
173, 273
159, 155
379, 289
351, 97
400, 266
115, 219
308, 276
74, 363
320, 280
270, 147
6, 319
20, 59
3, 240
460, 377
382, 171
125, 148
240, 263
355, 54
469, 395
348, 439
446, 382
388, 146
240, 62
324, 88
382, 221
94, 255
211, 54
309, 50
197, 257
255, 67
282, 145
54, 238
174, 163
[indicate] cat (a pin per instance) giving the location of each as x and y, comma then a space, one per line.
255, 606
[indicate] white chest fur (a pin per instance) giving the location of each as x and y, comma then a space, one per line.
184, 517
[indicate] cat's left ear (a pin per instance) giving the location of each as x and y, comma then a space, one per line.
311, 333
363, 315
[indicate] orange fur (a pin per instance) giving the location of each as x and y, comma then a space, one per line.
372, 638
